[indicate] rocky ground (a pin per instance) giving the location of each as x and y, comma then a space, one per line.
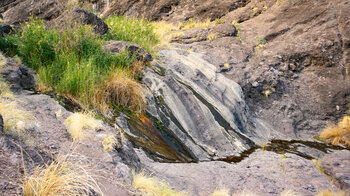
281, 73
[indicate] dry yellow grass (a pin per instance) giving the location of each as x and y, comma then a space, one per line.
338, 134
109, 142
166, 31
137, 69
244, 193
152, 187
221, 192
124, 92
79, 125
5, 91
4, 87
61, 177
191, 23
289, 193
330, 193
15, 119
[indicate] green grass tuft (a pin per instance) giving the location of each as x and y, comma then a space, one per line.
71, 61
132, 30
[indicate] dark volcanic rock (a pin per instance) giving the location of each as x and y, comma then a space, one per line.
170, 10
337, 165
116, 47
20, 77
5, 29
84, 17
1, 125
87, 18
21, 10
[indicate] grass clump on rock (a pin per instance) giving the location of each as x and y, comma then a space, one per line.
71, 60
78, 125
152, 187
338, 134
61, 177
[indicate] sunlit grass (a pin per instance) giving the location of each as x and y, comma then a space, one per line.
109, 142
61, 177
79, 125
221, 192
331, 193
125, 92
150, 186
338, 134
139, 31
71, 61
16, 120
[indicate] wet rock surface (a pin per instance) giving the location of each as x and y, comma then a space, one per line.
336, 165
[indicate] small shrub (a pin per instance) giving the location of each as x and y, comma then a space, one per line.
78, 125
61, 177
338, 134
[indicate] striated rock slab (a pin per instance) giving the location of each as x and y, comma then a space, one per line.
337, 165
199, 109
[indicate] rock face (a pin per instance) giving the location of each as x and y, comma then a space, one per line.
84, 17
203, 111
262, 173
203, 34
170, 10
5, 29
15, 12
336, 165
87, 18
1, 125
115, 47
